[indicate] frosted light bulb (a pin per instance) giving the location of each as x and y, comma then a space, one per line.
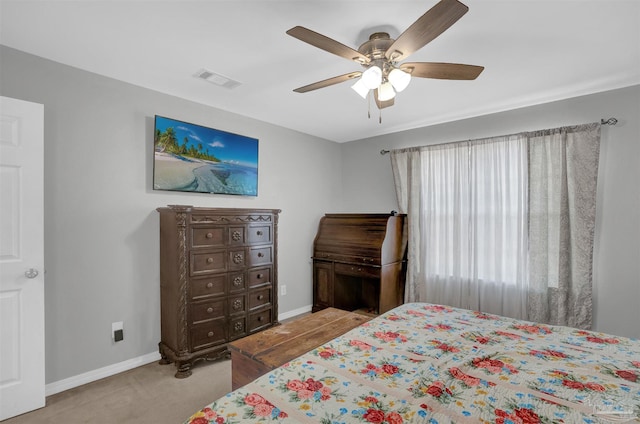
399, 79
386, 92
372, 77
360, 88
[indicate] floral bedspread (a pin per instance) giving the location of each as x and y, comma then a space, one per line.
425, 363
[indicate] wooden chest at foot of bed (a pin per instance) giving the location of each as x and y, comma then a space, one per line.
260, 353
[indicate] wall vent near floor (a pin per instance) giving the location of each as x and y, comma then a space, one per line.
217, 79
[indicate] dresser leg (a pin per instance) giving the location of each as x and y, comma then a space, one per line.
163, 356
184, 369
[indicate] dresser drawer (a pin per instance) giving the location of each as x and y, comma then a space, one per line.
205, 287
237, 282
236, 236
357, 270
208, 262
260, 319
206, 311
208, 236
260, 276
259, 234
208, 334
259, 297
260, 255
237, 304
237, 259
237, 327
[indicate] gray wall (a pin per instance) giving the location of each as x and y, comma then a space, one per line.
368, 186
101, 228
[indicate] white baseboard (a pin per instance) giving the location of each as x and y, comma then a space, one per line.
108, 371
295, 312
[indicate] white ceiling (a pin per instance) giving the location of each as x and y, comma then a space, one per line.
533, 52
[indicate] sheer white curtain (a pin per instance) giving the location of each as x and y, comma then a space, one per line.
563, 169
476, 242
467, 223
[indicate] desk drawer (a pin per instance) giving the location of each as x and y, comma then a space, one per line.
357, 270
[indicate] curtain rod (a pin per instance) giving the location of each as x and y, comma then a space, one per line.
608, 121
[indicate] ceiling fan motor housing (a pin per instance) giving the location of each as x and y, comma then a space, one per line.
375, 49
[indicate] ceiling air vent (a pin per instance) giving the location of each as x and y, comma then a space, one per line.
216, 79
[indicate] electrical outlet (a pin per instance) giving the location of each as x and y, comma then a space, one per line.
117, 331
283, 290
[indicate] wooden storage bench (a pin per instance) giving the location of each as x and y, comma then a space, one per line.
260, 353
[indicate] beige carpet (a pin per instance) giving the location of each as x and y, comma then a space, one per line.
149, 394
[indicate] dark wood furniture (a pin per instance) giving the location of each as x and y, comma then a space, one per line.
359, 262
218, 280
260, 353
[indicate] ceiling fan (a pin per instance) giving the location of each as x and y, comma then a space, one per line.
381, 56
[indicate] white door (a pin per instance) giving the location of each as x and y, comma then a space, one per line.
21, 257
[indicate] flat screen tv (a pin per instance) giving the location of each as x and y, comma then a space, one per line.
193, 158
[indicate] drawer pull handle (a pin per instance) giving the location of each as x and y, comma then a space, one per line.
209, 310
260, 297
210, 334
259, 233
259, 276
260, 254
236, 235
237, 258
237, 326
260, 318
209, 260
209, 285
237, 304
237, 281
209, 235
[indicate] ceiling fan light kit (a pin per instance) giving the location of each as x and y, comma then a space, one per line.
381, 56
360, 88
372, 77
399, 79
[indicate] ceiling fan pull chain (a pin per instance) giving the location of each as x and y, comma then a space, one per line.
369, 105
380, 117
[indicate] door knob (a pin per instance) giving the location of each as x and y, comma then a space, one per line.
31, 273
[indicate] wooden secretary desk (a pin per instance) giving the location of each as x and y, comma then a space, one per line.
359, 262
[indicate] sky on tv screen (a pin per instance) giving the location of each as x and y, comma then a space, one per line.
227, 147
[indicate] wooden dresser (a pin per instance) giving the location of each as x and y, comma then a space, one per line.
218, 280
359, 262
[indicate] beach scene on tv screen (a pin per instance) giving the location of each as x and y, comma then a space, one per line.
194, 158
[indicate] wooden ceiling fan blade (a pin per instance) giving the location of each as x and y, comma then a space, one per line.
327, 44
328, 82
430, 25
450, 71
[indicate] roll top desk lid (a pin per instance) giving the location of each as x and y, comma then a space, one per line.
375, 239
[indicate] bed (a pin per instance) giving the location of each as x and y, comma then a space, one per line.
426, 363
